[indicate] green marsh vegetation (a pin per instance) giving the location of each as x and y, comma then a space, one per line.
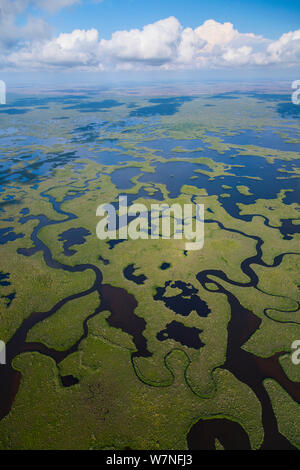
121, 398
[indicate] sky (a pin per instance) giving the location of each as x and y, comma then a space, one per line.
269, 18
137, 37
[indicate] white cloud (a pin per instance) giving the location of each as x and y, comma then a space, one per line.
238, 56
215, 33
189, 47
78, 48
11, 35
156, 44
286, 49
164, 44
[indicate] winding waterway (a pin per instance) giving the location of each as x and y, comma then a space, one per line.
246, 367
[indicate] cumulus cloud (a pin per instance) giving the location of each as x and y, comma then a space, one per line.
164, 44
67, 50
286, 49
10, 10
11, 34
155, 44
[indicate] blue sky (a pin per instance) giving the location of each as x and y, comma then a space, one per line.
270, 18
240, 38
